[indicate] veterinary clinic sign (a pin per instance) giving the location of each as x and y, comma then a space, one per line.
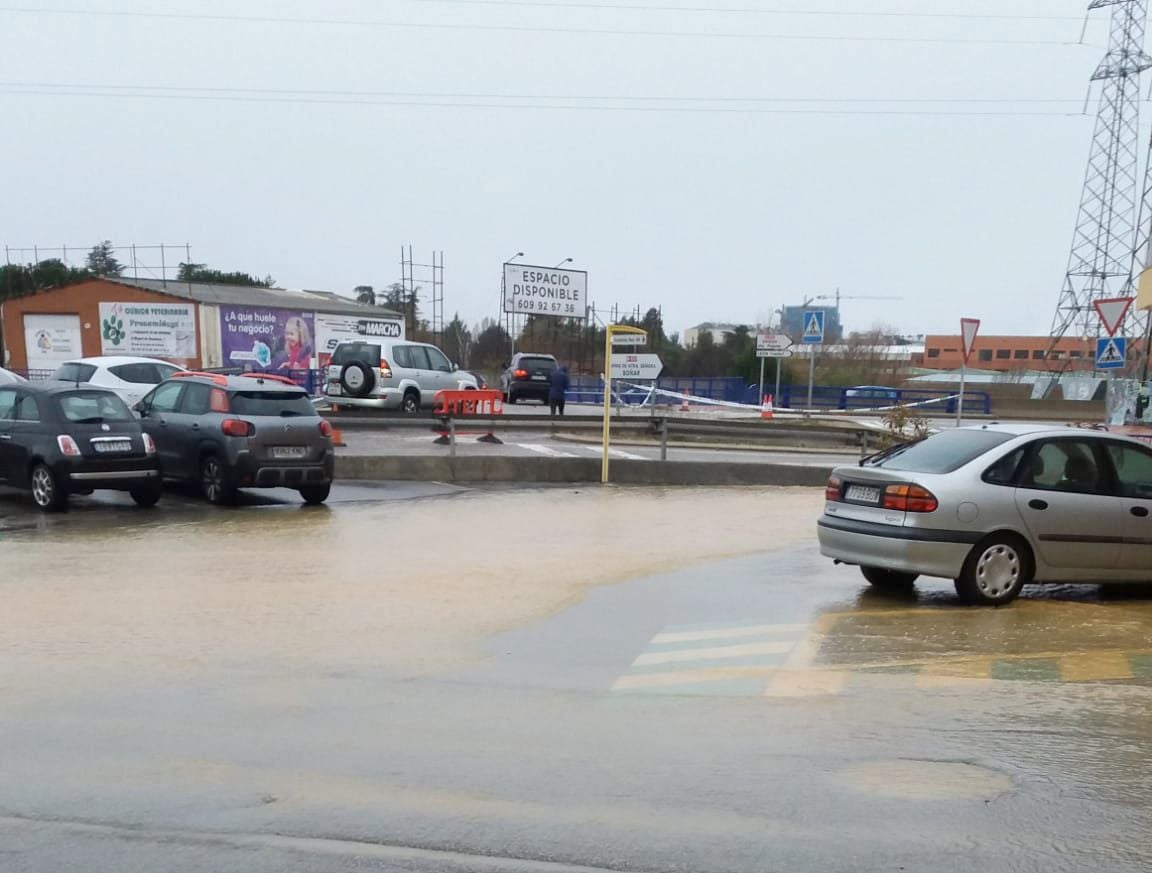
543, 291
158, 330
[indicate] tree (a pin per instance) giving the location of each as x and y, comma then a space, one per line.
365, 294
457, 341
407, 303
492, 346
203, 273
16, 280
102, 260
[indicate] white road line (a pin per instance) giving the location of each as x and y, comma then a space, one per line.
730, 633
543, 450
615, 453
716, 653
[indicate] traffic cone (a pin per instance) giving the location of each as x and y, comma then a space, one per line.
338, 438
766, 409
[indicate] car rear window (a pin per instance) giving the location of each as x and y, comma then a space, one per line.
943, 452
537, 364
348, 352
92, 407
143, 373
287, 404
74, 372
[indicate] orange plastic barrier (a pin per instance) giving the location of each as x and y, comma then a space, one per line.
469, 402
465, 403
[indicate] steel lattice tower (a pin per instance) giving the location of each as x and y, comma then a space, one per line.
1105, 240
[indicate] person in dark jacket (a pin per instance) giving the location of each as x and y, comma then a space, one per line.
557, 389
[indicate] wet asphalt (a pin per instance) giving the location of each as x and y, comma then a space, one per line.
763, 713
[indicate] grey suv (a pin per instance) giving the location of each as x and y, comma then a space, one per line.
391, 374
232, 432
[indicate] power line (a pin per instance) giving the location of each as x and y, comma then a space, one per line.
163, 90
751, 10
515, 28
304, 99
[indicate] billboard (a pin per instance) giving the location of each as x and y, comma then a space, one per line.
256, 338
51, 339
543, 291
157, 330
331, 330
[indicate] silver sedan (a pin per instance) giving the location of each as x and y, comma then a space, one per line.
995, 508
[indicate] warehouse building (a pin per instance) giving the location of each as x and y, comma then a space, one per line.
192, 324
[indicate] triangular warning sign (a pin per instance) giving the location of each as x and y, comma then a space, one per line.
1111, 353
1112, 311
813, 326
968, 330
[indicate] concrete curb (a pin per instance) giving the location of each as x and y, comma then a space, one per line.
432, 468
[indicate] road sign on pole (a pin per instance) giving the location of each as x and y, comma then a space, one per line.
630, 339
774, 353
1112, 311
969, 327
1111, 353
813, 327
636, 366
612, 333
773, 342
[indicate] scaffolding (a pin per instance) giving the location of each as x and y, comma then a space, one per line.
137, 261
411, 283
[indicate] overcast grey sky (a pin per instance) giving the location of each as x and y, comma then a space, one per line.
714, 214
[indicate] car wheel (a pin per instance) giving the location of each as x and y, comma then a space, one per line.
995, 571
46, 491
889, 580
314, 495
411, 403
145, 497
215, 482
511, 399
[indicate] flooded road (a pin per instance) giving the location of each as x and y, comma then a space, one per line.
552, 679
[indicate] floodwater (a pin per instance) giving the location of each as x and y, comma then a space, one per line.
637, 680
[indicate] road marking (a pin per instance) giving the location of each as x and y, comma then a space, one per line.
734, 633
615, 453
689, 677
956, 674
716, 653
806, 683
544, 450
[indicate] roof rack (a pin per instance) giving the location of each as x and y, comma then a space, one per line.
271, 377
215, 377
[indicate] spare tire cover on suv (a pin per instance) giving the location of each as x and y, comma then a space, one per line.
357, 379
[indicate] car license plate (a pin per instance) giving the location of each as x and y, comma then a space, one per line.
539, 378
110, 446
288, 452
334, 389
862, 494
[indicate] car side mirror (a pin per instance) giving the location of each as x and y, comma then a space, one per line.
455, 367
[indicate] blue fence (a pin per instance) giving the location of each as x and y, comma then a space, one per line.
825, 397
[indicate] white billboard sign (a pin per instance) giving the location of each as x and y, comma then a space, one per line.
331, 330
51, 339
155, 330
543, 291
643, 367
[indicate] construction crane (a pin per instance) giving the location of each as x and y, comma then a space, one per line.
838, 297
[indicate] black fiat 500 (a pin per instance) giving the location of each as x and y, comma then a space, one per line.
58, 439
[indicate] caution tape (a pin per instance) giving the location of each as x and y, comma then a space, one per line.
730, 404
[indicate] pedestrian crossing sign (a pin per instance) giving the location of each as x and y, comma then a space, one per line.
813, 327
1111, 352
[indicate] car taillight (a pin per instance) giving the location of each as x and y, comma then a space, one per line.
385, 370
325, 428
832, 489
910, 498
219, 401
68, 446
149, 444
521, 374
234, 427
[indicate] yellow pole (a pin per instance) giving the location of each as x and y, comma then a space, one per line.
607, 402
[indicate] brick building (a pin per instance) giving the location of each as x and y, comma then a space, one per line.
1005, 353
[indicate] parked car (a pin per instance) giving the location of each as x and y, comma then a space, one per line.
391, 374
129, 377
995, 508
59, 439
225, 433
7, 377
527, 377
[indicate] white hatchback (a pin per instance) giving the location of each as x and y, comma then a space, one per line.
129, 377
